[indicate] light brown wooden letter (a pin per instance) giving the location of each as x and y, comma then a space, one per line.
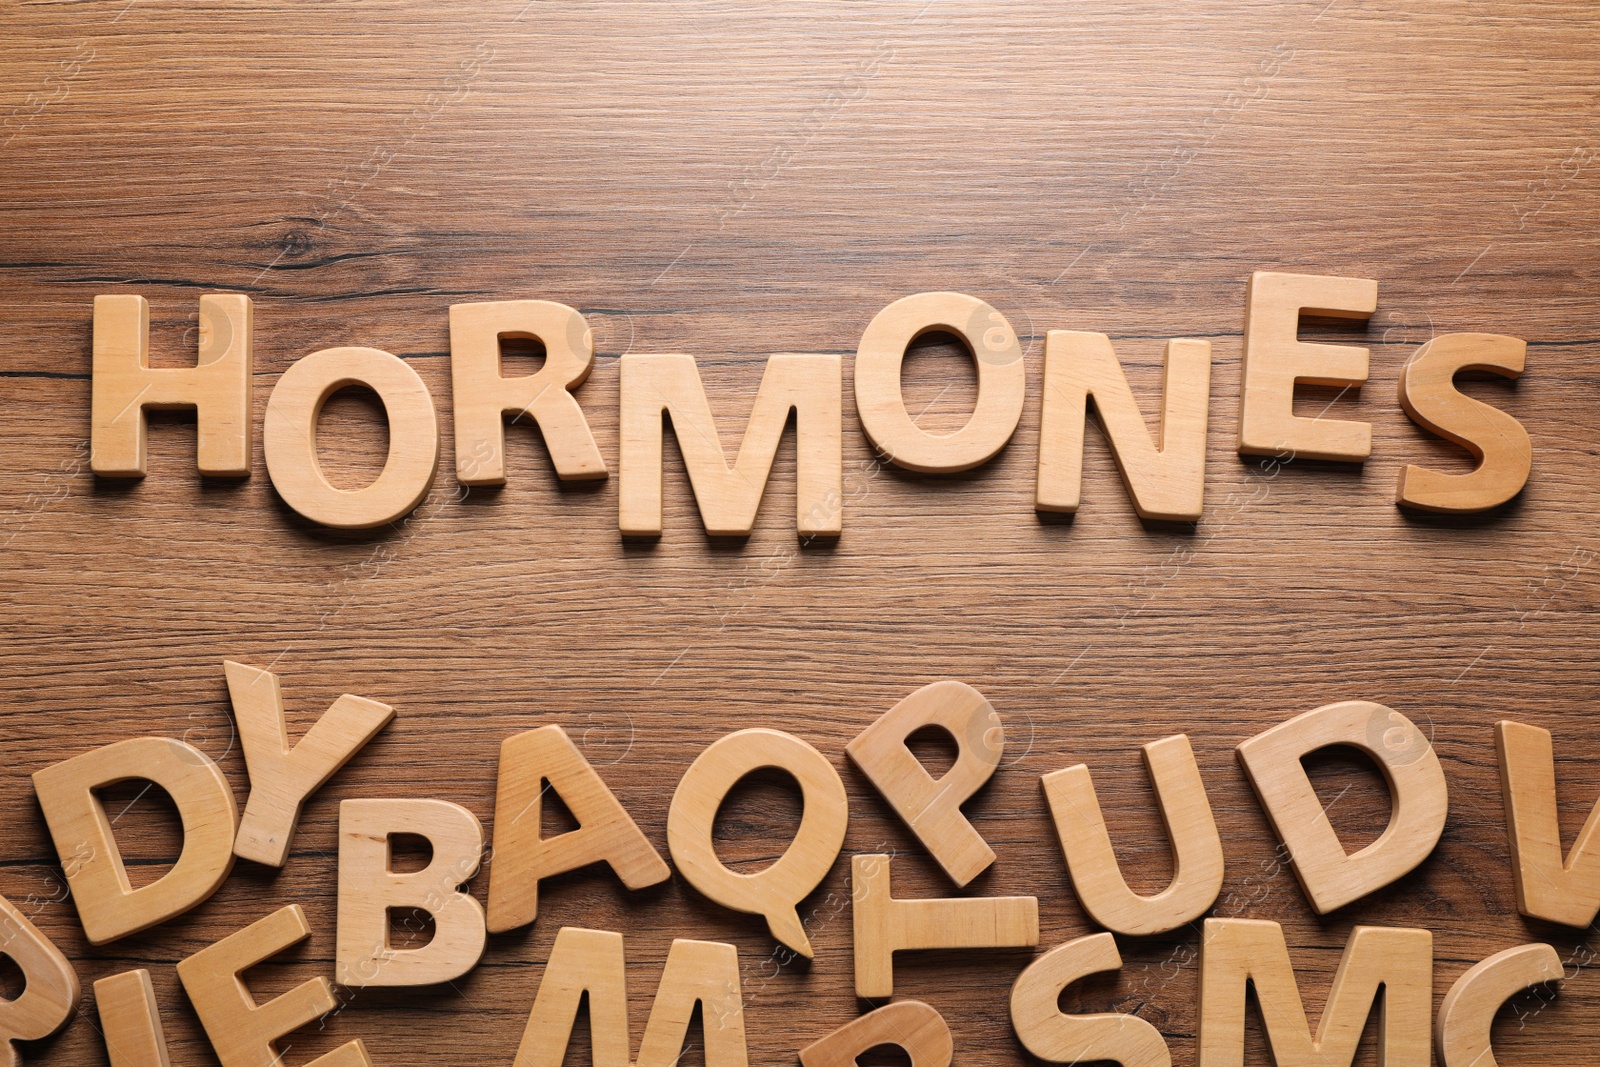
703, 973
1234, 951
522, 856
914, 1026
1275, 362
932, 807
126, 386
729, 496
1166, 478
1048, 1033
1497, 441
884, 925
1462, 1029
773, 891
1002, 382
1196, 847
1547, 888
243, 1033
108, 905
482, 396
50, 985
129, 1020
1420, 799
282, 777
368, 889
289, 438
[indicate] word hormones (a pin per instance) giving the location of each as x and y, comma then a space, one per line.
1164, 472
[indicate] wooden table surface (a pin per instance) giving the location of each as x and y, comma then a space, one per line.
733, 180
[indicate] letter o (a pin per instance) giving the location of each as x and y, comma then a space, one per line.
1002, 382
289, 436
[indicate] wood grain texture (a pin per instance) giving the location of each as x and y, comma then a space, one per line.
732, 180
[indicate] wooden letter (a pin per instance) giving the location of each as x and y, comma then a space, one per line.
1234, 951
129, 1020
884, 925
522, 856
1275, 362
1462, 1029
1196, 847
1166, 478
1048, 1033
49, 989
483, 396
289, 438
108, 905
281, 777
126, 386
911, 1024
1547, 888
1330, 877
932, 807
1497, 441
243, 1033
1002, 382
774, 891
368, 888
582, 963
703, 973
729, 496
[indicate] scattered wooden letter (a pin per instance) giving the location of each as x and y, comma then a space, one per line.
368, 889
126, 386
1002, 382
50, 985
583, 963
242, 1032
932, 807
1196, 846
914, 1026
774, 891
282, 777
1165, 478
1465, 1015
1330, 877
1275, 361
1498, 442
884, 925
702, 974
590, 962
108, 905
808, 385
1547, 888
605, 832
289, 438
1236, 951
130, 1021
1052, 1035
482, 396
